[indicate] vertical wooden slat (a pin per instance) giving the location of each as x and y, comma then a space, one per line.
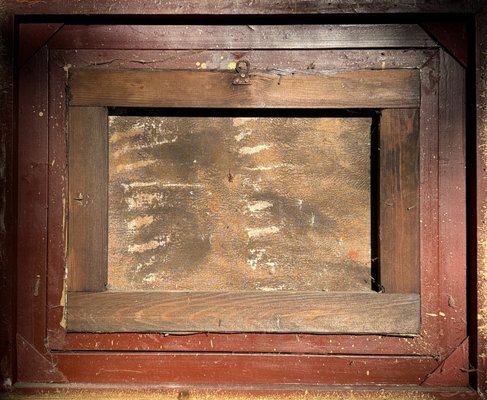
399, 201
32, 202
452, 208
87, 199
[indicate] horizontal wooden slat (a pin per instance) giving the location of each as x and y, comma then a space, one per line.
331, 312
198, 8
218, 37
142, 88
287, 371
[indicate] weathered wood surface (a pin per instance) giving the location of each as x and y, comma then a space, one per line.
399, 201
303, 312
196, 8
87, 199
215, 204
218, 37
336, 89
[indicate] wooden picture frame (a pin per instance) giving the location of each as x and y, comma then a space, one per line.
274, 360
395, 93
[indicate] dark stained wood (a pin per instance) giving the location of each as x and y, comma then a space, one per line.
218, 37
453, 371
32, 201
224, 60
452, 207
244, 369
228, 7
135, 341
399, 201
58, 201
185, 215
340, 89
87, 199
366, 344
429, 223
243, 311
33, 37
452, 36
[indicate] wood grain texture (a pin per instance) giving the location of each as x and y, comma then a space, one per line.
213, 204
346, 89
87, 198
32, 203
218, 37
33, 37
314, 312
260, 60
399, 201
284, 370
197, 8
452, 207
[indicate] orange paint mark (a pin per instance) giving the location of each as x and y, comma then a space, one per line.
353, 254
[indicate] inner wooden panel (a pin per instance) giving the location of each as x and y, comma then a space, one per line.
238, 204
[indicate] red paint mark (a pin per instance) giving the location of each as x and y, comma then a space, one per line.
353, 254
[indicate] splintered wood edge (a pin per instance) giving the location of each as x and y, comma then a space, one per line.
296, 312
393, 88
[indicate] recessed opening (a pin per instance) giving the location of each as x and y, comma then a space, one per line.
222, 200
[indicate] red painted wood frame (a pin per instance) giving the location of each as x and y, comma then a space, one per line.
46, 353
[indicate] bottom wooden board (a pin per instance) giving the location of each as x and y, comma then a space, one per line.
300, 312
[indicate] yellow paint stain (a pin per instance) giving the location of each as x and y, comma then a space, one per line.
204, 66
232, 65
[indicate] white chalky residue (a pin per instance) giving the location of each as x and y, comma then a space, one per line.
181, 185
312, 221
153, 244
151, 261
135, 165
265, 167
140, 222
254, 150
243, 120
257, 206
144, 200
257, 232
151, 145
242, 135
271, 289
154, 277
128, 186
255, 257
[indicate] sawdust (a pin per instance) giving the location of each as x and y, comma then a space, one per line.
210, 395
482, 239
